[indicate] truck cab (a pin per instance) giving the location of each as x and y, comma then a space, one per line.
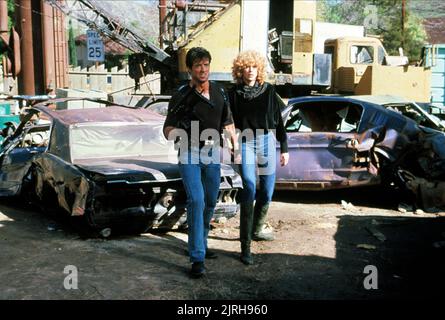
350, 59
361, 66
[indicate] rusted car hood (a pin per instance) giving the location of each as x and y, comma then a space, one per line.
130, 169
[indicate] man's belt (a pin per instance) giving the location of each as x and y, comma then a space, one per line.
203, 143
209, 142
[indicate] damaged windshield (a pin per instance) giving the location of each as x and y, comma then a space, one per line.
324, 117
99, 140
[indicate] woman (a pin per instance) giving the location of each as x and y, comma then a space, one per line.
256, 112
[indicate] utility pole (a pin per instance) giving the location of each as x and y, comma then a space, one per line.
3, 16
4, 34
162, 23
43, 47
403, 23
25, 26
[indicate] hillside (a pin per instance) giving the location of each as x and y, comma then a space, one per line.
427, 8
140, 16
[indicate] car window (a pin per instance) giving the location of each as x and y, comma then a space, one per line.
36, 136
361, 54
381, 55
100, 140
324, 117
160, 107
297, 123
331, 50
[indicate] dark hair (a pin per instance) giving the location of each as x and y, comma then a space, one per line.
196, 53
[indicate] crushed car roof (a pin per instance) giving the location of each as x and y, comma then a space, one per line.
323, 98
106, 114
385, 100
380, 99
376, 99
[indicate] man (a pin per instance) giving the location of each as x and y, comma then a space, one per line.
197, 114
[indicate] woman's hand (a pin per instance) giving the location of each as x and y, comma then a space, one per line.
236, 154
284, 159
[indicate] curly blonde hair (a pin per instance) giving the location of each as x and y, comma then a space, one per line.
246, 59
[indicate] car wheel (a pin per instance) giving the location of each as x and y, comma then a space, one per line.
105, 232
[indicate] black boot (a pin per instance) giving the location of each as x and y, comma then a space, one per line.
246, 256
246, 219
259, 218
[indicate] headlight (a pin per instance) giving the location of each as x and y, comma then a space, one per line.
37, 139
166, 200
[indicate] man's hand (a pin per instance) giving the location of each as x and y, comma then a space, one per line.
284, 159
236, 155
232, 142
167, 131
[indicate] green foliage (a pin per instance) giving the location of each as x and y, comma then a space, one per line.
416, 35
112, 61
10, 6
72, 46
11, 10
135, 24
382, 18
339, 11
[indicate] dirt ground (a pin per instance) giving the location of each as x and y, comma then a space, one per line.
320, 252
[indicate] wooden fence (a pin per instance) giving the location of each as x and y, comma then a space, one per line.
112, 82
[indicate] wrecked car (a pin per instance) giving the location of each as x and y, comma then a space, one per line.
341, 142
111, 167
406, 107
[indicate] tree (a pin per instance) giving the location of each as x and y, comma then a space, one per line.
72, 46
11, 10
382, 18
10, 6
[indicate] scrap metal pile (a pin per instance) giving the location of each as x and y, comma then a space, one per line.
418, 156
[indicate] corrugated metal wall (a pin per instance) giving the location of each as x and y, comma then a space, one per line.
438, 76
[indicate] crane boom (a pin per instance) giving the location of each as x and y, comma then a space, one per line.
106, 24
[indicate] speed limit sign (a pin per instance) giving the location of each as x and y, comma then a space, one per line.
95, 46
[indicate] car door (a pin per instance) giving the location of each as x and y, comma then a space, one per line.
321, 148
16, 156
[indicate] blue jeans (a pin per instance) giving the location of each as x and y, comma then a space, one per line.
259, 151
201, 181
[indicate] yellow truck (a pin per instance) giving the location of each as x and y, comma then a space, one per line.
286, 32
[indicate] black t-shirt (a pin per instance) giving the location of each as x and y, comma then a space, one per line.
211, 114
261, 112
